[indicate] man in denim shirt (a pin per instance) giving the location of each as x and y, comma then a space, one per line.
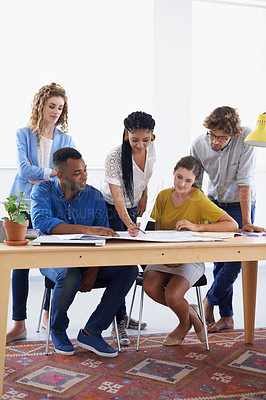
230, 165
70, 206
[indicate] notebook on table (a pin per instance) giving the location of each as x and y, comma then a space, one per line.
52, 240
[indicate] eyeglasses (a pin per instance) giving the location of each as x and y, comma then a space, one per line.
219, 138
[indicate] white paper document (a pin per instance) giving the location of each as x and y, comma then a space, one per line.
50, 240
75, 236
215, 235
149, 236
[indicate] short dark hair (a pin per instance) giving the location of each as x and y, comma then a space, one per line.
61, 156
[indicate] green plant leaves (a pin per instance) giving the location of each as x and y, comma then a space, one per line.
20, 219
14, 206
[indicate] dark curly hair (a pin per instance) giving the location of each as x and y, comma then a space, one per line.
226, 119
39, 101
135, 120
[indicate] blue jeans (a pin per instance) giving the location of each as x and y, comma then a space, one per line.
114, 220
118, 281
225, 273
118, 225
20, 290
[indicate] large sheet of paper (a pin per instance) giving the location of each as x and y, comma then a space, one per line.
153, 236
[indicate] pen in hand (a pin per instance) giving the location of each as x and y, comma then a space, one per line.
131, 223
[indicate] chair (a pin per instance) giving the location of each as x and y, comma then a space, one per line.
50, 285
139, 282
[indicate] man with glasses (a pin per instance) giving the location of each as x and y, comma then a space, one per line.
230, 166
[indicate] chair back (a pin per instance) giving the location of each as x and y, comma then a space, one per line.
150, 226
201, 282
48, 283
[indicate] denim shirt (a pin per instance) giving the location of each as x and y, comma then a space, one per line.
228, 168
50, 208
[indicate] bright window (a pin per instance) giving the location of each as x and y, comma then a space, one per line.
229, 61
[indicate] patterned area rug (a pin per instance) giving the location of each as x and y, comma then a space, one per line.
230, 370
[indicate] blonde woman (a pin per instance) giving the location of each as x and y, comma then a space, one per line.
36, 144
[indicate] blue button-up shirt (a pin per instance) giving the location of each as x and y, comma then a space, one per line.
228, 168
50, 208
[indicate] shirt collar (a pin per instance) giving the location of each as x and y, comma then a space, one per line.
59, 190
228, 145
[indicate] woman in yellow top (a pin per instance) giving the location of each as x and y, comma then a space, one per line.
183, 207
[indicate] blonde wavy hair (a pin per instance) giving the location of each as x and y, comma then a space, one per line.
39, 101
225, 119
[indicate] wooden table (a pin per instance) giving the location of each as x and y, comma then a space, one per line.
117, 252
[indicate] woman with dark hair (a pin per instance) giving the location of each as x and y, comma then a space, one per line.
36, 144
128, 169
183, 207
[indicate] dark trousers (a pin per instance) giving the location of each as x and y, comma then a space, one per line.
20, 290
225, 273
118, 225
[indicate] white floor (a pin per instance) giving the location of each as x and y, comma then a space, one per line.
159, 318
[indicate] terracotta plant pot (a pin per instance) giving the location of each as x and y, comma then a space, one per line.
15, 231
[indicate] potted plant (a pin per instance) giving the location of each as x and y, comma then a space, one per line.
16, 223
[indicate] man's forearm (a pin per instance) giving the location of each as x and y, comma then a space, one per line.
64, 228
245, 203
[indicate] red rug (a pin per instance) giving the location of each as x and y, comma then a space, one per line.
230, 370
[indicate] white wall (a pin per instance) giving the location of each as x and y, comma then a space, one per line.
172, 83
100, 51
112, 57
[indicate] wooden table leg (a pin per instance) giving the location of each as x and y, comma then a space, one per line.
4, 290
249, 283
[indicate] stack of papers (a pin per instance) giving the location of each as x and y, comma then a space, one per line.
215, 235
157, 236
256, 234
